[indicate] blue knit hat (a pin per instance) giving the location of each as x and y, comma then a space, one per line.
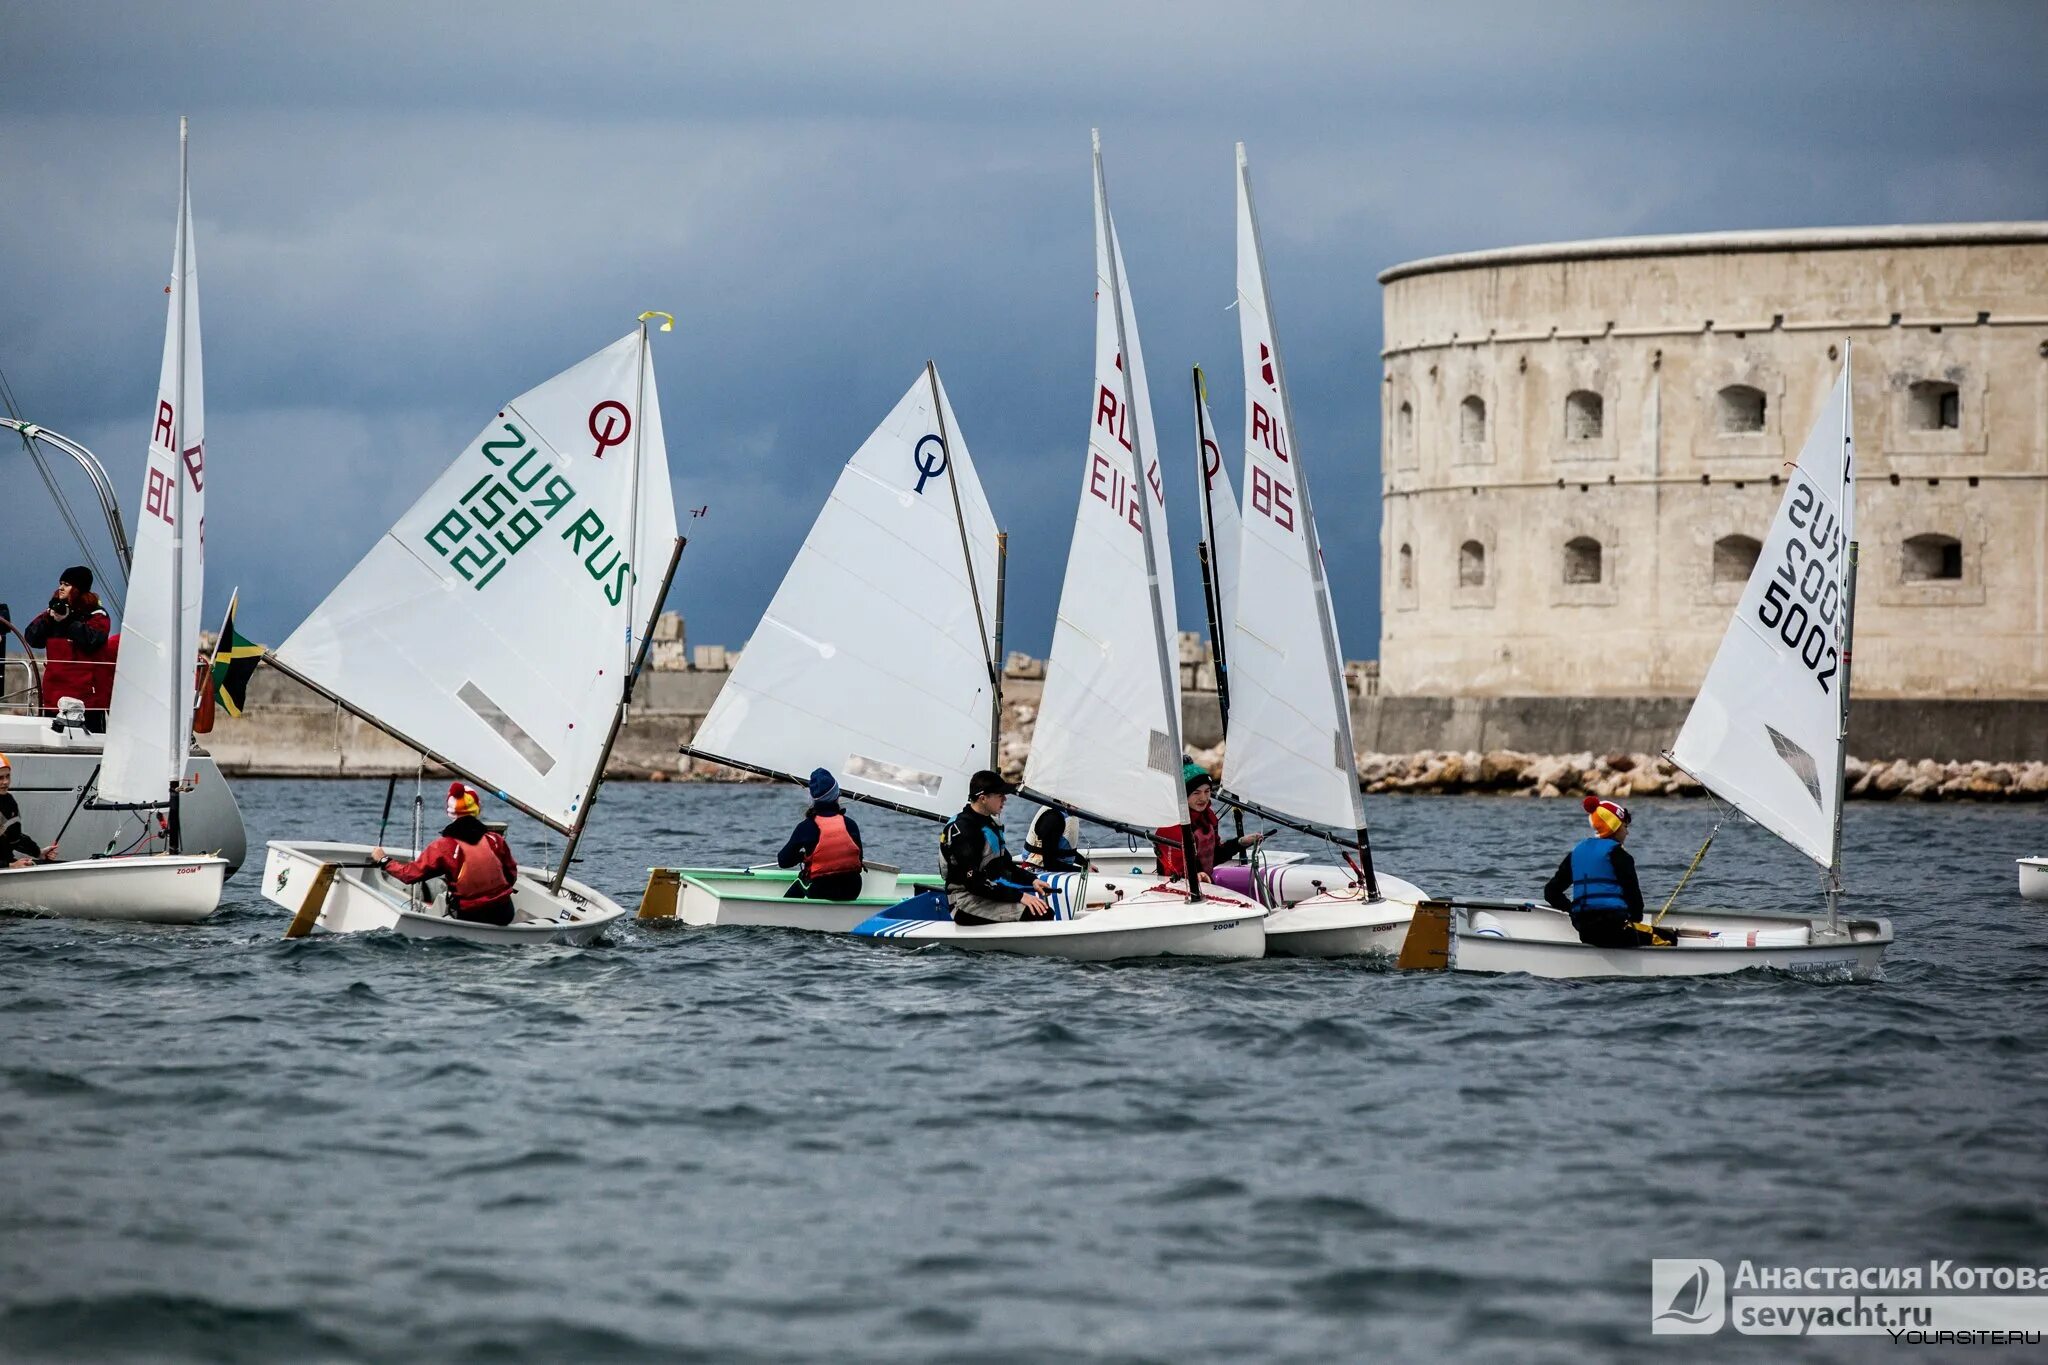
823, 787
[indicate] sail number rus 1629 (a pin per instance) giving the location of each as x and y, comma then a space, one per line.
502, 512
1802, 600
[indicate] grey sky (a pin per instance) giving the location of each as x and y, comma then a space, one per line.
407, 213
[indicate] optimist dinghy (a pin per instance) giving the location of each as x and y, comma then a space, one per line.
1765, 734
1280, 670
878, 658
498, 629
1107, 745
149, 723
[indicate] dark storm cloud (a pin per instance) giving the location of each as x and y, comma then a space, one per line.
408, 213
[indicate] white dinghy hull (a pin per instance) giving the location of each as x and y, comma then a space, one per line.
1540, 941
52, 768
152, 889
2033, 878
1344, 924
359, 898
1156, 922
758, 897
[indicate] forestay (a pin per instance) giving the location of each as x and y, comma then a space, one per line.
1220, 519
496, 621
1764, 732
1290, 743
149, 721
872, 658
1108, 732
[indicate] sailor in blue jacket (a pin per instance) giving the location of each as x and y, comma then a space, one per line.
1597, 883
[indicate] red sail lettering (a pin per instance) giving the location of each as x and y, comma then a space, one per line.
164, 420
1267, 432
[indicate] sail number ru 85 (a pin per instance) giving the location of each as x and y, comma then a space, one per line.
1803, 600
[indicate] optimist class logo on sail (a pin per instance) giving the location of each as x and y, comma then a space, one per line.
522, 494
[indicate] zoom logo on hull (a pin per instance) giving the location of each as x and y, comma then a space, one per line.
1688, 1297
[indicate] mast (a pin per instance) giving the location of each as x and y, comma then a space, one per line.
931, 375
995, 715
1143, 486
1212, 576
181, 660
1212, 568
1334, 664
1848, 651
636, 657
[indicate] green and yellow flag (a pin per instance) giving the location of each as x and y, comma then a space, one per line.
234, 663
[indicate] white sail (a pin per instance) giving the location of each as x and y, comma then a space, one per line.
873, 657
1290, 743
495, 622
1764, 732
1220, 518
149, 721
1108, 732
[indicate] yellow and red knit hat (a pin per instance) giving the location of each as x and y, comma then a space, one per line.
462, 800
1606, 816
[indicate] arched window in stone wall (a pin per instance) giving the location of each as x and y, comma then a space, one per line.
1931, 557
1740, 409
1404, 428
1406, 568
1583, 415
1582, 560
1932, 405
1472, 420
1735, 558
1471, 565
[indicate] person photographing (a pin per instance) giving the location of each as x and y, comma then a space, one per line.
77, 659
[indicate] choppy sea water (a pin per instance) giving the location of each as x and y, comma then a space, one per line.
739, 1145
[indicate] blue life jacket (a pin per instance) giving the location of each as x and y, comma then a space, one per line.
1594, 883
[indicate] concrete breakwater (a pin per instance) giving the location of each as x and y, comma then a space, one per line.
1540, 746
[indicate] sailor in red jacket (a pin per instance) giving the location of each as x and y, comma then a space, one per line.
476, 863
78, 661
1210, 848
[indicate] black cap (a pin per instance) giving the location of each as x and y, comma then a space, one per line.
986, 783
78, 576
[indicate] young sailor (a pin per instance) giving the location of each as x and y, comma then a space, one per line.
1049, 844
825, 847
16, 848
476, 863
1596, 882
1210, 847
984, 885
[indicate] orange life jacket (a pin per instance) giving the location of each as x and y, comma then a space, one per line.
479, 874
836, 850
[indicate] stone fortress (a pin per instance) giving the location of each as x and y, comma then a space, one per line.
1583, 444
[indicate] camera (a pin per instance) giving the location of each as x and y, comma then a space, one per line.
59, 608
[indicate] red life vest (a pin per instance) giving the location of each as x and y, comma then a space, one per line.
479, 872
1204, 827
836, 850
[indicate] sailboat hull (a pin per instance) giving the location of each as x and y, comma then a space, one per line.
758, 897
52, 767
152, 889
1539, 941
1156, 921
2034, 878
1344, 924
361, 898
